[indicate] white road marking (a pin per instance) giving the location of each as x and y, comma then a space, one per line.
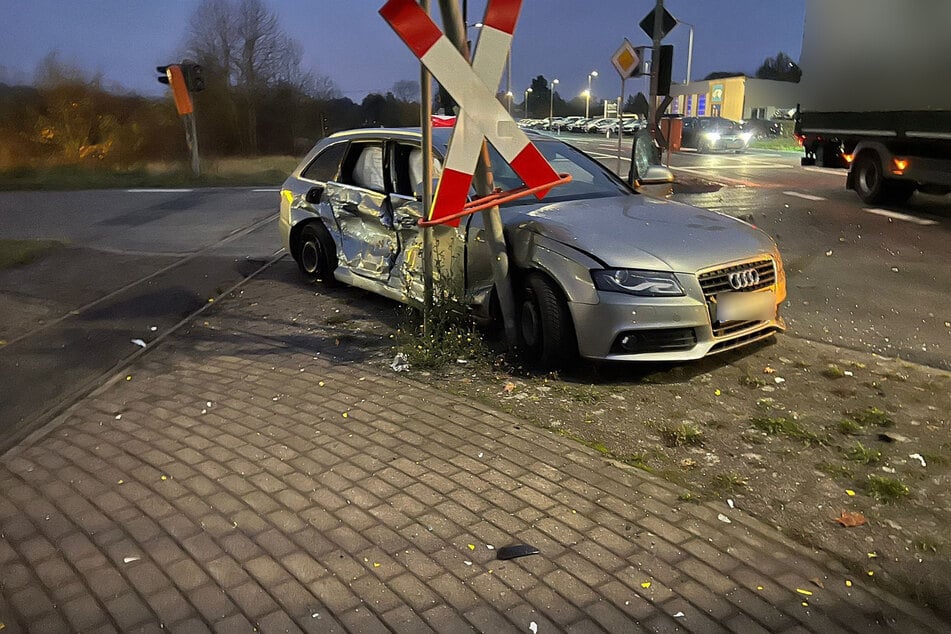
900, 216
760, 166
607, 156
159, 191
714, 178
805, 196
274, 189
829, 171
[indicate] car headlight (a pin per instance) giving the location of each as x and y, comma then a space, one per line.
712, 136
640, 283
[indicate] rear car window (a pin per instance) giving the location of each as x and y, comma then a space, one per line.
325, 165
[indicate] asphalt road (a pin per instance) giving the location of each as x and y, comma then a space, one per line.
875, 279
137, 263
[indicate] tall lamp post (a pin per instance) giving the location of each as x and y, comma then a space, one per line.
508, 96
551, 101
528, 91
689, 49
587, 101
593, 73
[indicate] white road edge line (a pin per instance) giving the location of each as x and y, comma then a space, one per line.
900, 216
275, 189
159, 191
805, 196
832, 171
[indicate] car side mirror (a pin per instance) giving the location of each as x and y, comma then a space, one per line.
314, 194
657, 174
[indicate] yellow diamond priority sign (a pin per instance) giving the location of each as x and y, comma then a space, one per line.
625, 60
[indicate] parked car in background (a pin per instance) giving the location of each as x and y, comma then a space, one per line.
708, 134
578, 126
762, 128
598, 270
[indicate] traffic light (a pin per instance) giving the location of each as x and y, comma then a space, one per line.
194, 76
163, 77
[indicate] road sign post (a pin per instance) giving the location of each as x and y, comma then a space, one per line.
627, 62
184, 78
481, 117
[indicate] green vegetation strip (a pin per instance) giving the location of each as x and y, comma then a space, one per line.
264, 171
20, 252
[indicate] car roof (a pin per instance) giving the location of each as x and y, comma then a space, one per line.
441, 136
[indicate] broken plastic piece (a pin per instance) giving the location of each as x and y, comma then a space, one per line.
516, 550
139, 343
400, 363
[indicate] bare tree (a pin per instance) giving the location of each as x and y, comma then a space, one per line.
245, 53
406, 90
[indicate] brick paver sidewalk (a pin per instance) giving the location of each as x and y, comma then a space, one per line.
241, 480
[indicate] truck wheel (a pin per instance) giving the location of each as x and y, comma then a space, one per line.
821, 155
869, 180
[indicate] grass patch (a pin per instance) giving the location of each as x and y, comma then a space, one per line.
451, 336
265, 170
783, 426
585, 394
682, 435
832, 371
21, 252
777, 143
750, 381
871, 416
730, 482
886, 490
841, 471
848, 427
690, 497
860, 453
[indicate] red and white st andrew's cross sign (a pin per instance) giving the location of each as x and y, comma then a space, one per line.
481, 116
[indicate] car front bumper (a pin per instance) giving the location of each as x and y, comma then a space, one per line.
628, 328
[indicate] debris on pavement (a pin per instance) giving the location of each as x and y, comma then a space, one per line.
533, 627
679, 615
851, 519
516, 550
400, 362
139, 343
723, 518
920, 458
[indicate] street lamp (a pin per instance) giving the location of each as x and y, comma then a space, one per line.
689, 49
528, 91
587, 100
551, 102
508, 96
593, 73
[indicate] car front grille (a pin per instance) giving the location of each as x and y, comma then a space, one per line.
718, 280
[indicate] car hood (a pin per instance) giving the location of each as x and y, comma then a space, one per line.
640, 232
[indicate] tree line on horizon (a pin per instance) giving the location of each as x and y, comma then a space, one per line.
257, 101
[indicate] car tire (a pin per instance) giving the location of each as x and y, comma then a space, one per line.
316, 253
545, 331
869, 180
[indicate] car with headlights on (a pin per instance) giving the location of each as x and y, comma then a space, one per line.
598, 269
709, 134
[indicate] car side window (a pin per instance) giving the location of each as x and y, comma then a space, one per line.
406, 170
325, 165
363, 167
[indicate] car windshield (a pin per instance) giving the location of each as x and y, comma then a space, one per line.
588, 178
718, 124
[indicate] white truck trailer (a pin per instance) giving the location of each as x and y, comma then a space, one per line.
876, 94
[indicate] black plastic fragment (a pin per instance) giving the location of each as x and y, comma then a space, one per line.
516, 550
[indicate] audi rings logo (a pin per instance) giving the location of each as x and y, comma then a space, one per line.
744, 279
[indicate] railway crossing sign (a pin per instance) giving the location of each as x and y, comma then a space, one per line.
481, 115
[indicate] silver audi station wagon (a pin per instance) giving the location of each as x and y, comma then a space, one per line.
598, 269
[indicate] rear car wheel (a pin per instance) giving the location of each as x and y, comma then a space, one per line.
316, 254
546, 333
